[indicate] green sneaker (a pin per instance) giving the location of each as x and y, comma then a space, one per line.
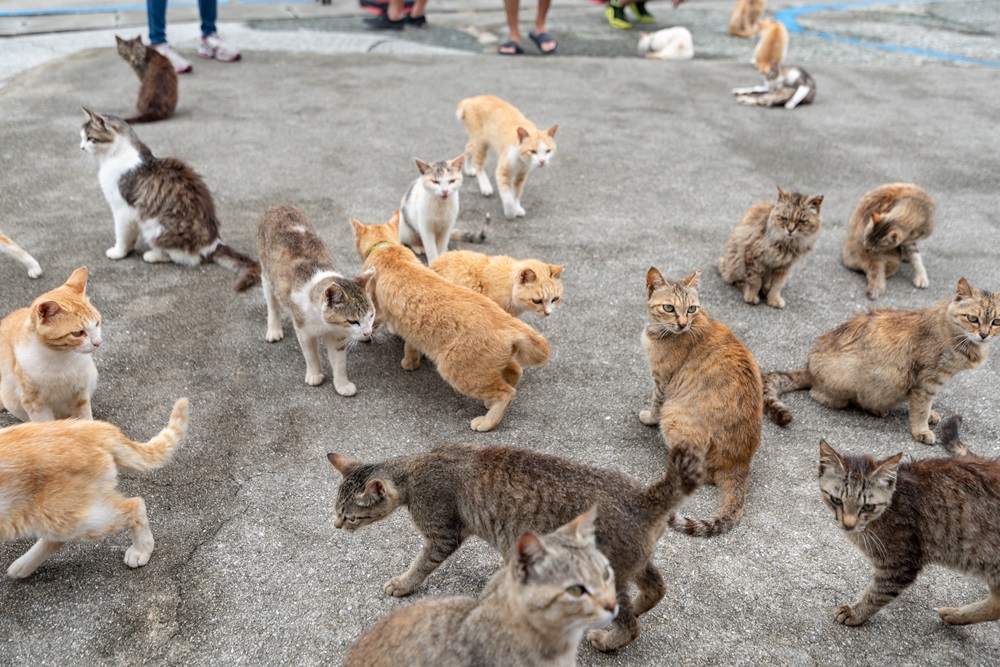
616, 16
642, 15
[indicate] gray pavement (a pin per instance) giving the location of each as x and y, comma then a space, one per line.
655, 164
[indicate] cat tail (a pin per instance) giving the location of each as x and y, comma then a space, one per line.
530, 347
685, 473
733, 486
777, 383
474, 237
948, 432
143, 456
234, 260
147, 117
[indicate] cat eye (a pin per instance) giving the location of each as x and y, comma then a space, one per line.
354, 322
555, 298
692, 309
538, 301
868, 507
668, 308
836, 501
77, 334
577, 591
972, 318
996, 322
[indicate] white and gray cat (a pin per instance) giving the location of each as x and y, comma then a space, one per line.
783, 86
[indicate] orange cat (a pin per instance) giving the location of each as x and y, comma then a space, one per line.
744, 21
772, 46
471, 340
8, 247
57, 484
519, 145
46, 371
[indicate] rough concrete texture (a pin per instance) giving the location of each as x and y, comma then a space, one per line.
655, 164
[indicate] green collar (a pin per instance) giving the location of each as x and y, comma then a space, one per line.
377, 245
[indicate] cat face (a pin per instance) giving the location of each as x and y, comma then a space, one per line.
64, 319
443, 178
645, 39
536, 147
795, 215
363, 497
976, 313
347, 305
99, 134
672, 305
537, 286
858, 489
132, 50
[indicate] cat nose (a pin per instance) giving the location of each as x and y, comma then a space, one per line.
850, 522
96, 342
338, 522
984, 334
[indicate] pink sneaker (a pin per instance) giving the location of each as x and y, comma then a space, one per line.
214, 46
180, 63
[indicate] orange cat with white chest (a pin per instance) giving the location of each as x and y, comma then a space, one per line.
515, 285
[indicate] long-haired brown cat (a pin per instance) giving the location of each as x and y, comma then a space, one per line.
744, 20
474, 343
767, 241
883, 231
57, 484
157, 80
880, 359
457, 491
46, 368
8, 247
906, 515
706, 394
533, 612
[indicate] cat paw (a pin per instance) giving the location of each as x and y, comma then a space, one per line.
752, 299
925, 436
775, 302
747, 100
486, 189
647, 418
274, 336
952, 616
346, 389
155, 256
482, 424
742, 91
933, 418
397, 589
921, 281
135, 557
846, 616
603, 641
34, 271
519, 211
874, 292
116, 253
314, 379
410, 364
20, 568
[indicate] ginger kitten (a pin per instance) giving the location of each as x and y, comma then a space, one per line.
157, 80
515, 285
8, 247
46, 368
475, 345
57, 484
744, 20
496, 125
772, 47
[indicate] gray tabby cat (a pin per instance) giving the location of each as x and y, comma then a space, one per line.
8, 247
904, 516
299, 278
533, 612
498, 493
162, 199
783, 86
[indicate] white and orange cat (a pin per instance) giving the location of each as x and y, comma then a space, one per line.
57, 484
46, 368
496, 125
772, 47
8, 247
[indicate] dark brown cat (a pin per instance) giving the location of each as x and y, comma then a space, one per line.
157, 80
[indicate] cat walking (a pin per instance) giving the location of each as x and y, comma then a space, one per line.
157, 80
517, 286
8, 247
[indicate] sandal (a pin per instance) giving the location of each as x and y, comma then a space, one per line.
541, 38
513, 49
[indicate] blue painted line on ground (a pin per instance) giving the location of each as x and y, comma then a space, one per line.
131, 8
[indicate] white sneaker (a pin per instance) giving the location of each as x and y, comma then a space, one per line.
214, 46
180, 63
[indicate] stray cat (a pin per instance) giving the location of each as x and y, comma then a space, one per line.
767, 241
879, 359
474, 343
299, 278
744, 21
533, 613
667, 44
772, 47
519, 145
906, 515
163, 199
783, 86
514, 285
58, 481
157, 77
883, 231
8, 247
46, 371
457, 491
706, 394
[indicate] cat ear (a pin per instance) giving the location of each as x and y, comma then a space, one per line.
47, 309
376, 489
394, 222
528, 553
342, 463
522, 134
582, 527
815, 202
555, 270
527, 276
871, 224
456, 163
964, 289
782, 195
691, 282
334, 295
828, 456
654, 280
78, 280
119, 40
358, 227
422, 166
365, 277
552, 131
96, 118
885, 472
643, 35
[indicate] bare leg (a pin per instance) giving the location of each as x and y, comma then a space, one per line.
511, 9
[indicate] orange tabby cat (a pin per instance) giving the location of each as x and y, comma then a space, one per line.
514, 285
772, 47
57, 484
46, 371
471, 340
744, 21
519, 145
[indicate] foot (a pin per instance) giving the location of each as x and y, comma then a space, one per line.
545, 42
921, 281
616, 19
508, 48
155, 256
214, 47
383, 22
416, 21
642, 15
483, 424
181, 64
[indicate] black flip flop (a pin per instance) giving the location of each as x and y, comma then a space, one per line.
511, 44
542, 37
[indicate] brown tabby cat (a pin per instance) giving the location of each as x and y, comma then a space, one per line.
57, 484
515, 285
883, 231
46, 371
8, 247
533, 613
498, 493
879, 359
706, 394
744, 21
767, 241
157, 80
475, 345
904, 516
520, 147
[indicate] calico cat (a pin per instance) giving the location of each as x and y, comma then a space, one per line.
157, 77
744, 21
772, 47
474, 343
883, 231
879, 359
767, 241
163, 199
783, 86
457, 491
533, 613
8, 247
429, 208
46, 371
58, 481
494, 124
706, 394
667, 44
515, 285
906, 515
299, 278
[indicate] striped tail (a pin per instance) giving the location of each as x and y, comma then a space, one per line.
154, 454
777, 383
474, 237
248, 270
685, 473
948, 433
530, 347
733, 486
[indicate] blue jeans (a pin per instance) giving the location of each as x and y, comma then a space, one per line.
156, 16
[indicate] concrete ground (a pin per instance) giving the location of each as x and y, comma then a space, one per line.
656, 163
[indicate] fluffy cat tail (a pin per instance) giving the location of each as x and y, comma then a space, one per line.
733, 486
144, 456
147, 117
685, 473
234, 260
530, 347
777, 383
948, 432
474, 237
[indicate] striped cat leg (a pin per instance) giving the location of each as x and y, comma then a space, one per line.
336, 350
435, 550
887, 583
651, 587
977, 612
8, 247
921, 398
623, 629
651, 417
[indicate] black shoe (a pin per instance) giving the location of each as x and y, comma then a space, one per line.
417, 21
383, 22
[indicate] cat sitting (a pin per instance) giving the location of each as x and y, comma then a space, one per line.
783, 86
162, 199
667, 44
772, 46
904, 516
744, 20
8, 247
157, 80
46, 368
517, 286
58, 481
533, 613
879, 359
